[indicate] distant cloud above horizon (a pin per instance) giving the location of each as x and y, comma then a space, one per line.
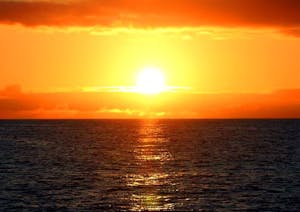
281, 14
15, 104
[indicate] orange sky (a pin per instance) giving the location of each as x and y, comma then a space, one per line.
62, 59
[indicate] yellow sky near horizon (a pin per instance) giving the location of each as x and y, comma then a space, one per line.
207, 60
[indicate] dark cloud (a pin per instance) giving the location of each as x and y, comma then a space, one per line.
153, 13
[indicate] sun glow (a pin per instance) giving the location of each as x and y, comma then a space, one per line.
150, 81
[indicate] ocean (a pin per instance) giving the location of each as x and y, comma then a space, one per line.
152, 165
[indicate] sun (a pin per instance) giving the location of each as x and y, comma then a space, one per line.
150, 81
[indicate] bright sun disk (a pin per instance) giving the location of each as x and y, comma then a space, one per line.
150, 81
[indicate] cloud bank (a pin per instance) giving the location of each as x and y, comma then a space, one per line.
153, 13
16, 104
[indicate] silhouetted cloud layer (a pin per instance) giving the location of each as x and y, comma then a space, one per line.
154, 13
16, 104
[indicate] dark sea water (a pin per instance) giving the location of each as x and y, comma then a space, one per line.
113, 165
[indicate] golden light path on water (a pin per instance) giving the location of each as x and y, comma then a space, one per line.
150, 178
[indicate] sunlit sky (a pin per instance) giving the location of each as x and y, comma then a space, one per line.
223, 59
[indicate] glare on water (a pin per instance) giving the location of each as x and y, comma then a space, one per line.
150, 154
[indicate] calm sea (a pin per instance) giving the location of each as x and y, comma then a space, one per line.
113, 165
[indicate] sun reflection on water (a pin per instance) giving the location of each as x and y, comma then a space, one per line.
150, 180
